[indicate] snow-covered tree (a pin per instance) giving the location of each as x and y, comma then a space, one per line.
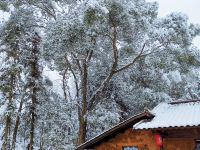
100, 40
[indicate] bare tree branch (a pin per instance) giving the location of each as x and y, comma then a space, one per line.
89, 56
134, 60
114, 70
111, 73
64, 85
74, 76
77, 62
46, 9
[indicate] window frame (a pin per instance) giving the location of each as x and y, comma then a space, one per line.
197, 142
123, 148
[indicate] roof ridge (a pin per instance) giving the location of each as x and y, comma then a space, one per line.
184, 101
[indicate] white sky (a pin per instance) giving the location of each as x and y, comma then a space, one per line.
189, 7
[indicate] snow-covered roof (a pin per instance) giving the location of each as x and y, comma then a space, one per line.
177, 114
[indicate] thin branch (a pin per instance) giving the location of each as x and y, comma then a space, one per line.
77, 62
64, 85
134, 60
74, 76
47, 10
115, 50
153, 51
140, 55
89, 56
107, 35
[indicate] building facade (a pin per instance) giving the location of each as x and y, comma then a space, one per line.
169, 126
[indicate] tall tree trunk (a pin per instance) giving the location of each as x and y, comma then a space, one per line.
6, 133
41, 138
17, 125
34, 75
64, 83
33, 99
6, 136
83, 111
82, 131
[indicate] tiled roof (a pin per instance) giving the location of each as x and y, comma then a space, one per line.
175, 114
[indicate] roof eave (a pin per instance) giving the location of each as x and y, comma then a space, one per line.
123, 125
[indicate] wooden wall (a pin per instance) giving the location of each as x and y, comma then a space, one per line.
145, 140
142, 139
179, 144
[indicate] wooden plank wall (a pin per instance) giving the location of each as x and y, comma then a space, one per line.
142, 139
179, 144
145, 140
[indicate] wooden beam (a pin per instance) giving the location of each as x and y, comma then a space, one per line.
193, 133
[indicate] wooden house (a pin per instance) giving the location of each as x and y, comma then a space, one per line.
169, 126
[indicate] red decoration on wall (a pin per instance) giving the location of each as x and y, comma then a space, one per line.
159, 141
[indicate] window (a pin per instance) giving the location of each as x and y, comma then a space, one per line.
197, 145
144, 147
130, 148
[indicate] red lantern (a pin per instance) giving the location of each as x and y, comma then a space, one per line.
159, 141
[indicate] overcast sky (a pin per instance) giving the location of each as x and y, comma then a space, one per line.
190, 7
